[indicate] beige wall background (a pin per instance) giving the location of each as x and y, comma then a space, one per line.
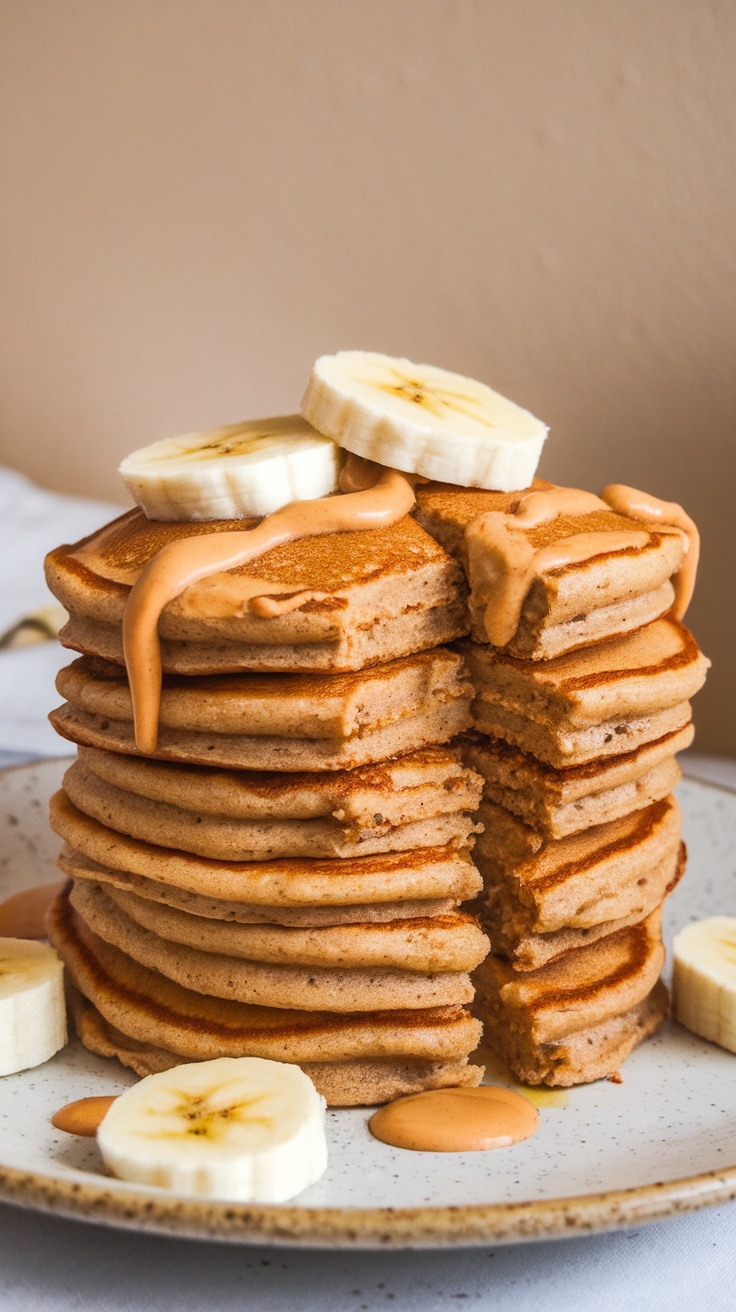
200, 196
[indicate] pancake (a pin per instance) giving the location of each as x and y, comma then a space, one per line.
362, 801
556, 803
151, 1009
342, 1084
432, 872
577, 882
451, 942
77, 866
589, 705
386, 593
584, 988
229, 839
510, 922
588, 1054
607, 596
276, 722
308, 988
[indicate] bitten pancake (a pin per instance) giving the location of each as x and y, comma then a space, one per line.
261, 983
364, 801
452, 942
556, 803
396, 877
341, 1083
585, 602
588, 1054
276, 722
582, 881
582, 989
229, 839
77, 866
153, 1010
511, 923
384, 593
588, 705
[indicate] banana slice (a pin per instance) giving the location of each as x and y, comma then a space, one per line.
423, 420
234, 472
32, 1010
238, 1128
704, 980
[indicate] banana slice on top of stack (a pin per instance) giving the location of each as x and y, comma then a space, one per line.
413, 417
423, 420
238, 1128
243, 470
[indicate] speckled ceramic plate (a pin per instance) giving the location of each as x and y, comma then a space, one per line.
607, 1155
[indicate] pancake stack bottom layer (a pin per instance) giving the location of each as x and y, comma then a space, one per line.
284, 878
576, 724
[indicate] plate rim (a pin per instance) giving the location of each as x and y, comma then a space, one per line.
149, 1210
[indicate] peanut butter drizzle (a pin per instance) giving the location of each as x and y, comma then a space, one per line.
84, 1116
24, 914
503, 563
456, 1120
650, 510
375, 498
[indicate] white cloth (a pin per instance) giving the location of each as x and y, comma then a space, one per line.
32, 521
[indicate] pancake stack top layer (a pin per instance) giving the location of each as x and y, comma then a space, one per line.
283, 876
384, 593
577, 720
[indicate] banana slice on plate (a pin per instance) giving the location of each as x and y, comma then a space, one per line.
32, 1010
238, 1128
423, 420
704, 979
243, 470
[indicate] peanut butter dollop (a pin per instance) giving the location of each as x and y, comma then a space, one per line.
24, 914
83, 1116
456, 1120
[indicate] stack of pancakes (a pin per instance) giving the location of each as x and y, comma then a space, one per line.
283, 877
576, 724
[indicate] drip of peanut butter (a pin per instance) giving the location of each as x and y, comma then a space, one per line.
374, 498
85, 1116
24, 914
456, 1120
650, 510
503, 563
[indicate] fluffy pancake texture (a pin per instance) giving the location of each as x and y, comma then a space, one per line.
276, 722
234, 838
433, 872
589, 705
590, 1053
450, 942
386, 593
611, 594
556, 803
341, 1083
133, 1012
331, 988
583, 988
78, 866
